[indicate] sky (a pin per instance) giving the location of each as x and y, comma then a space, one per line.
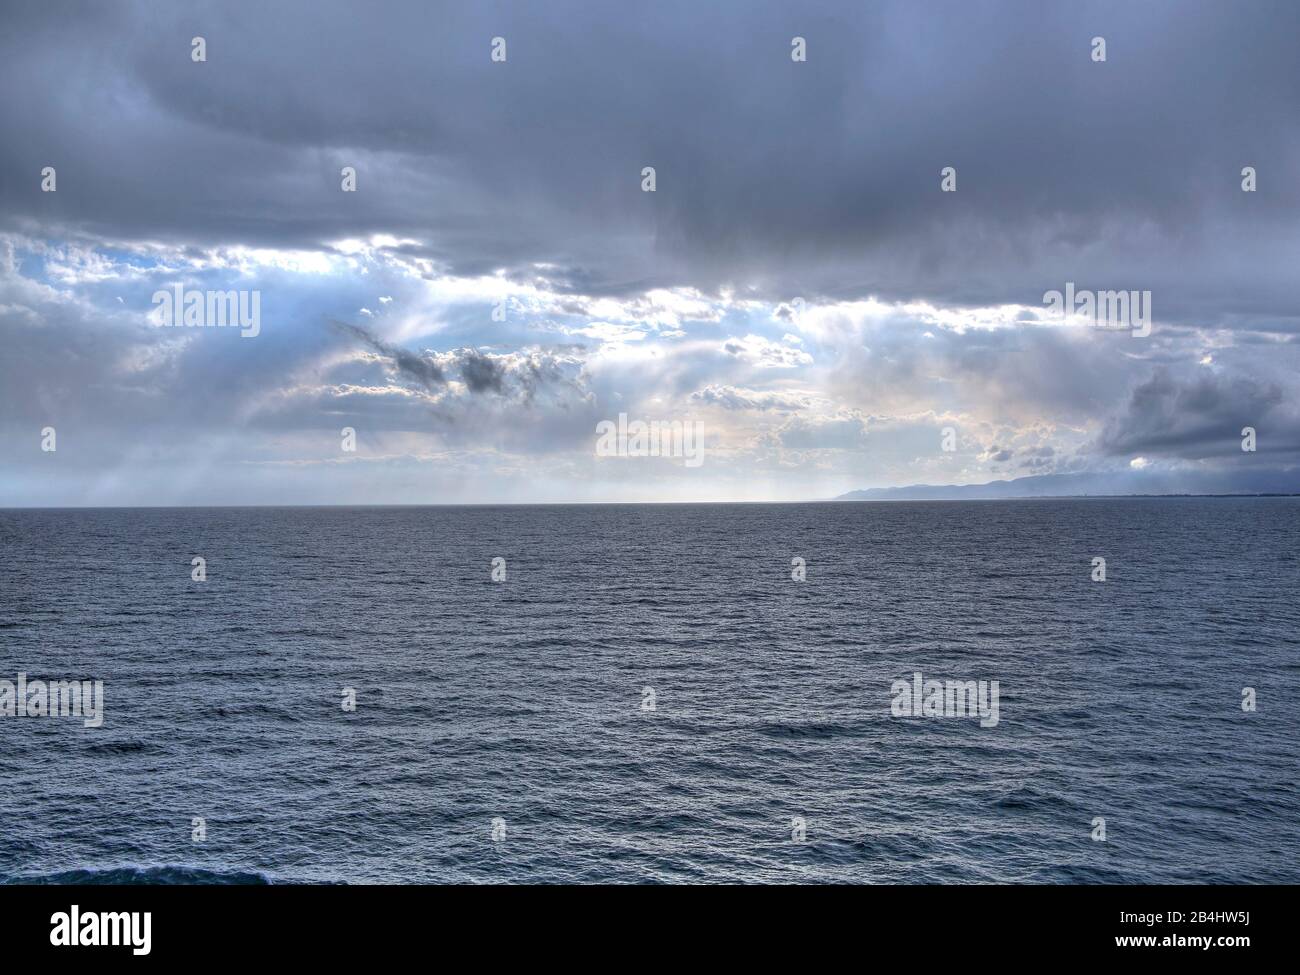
799, 286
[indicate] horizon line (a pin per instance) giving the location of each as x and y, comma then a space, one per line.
579, 504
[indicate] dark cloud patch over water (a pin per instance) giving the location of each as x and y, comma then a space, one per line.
420, 369
1200, 417
813, 179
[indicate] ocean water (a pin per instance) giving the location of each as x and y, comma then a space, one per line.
523, 699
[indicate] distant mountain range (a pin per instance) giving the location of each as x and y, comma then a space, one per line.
1112, 484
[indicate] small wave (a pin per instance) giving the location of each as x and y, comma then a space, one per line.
122, 748
157, 876
815, 729
1028, 797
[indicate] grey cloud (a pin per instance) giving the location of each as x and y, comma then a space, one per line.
424, 371
481, 373
819, 179
1199, 418
521, 373
775, 180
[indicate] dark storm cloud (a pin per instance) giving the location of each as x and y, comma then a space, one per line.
525, 372
1200, 418
424, 371
813, 179
480, 373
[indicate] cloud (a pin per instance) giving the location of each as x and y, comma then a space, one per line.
1198, 418
424, 371
734, 398
761, 351
536, 162
835, 433
798, 276
481, 373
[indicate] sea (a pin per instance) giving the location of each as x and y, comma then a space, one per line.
686, 693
